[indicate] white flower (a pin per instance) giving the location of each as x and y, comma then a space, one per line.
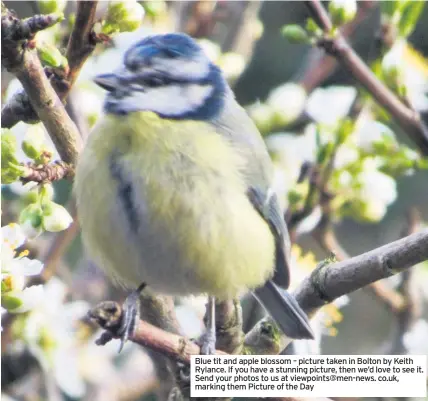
12, 236
345, 155
287, 101
30, 298
15, 269
377, 190
369, 132
328, 106
375, 184
50, 334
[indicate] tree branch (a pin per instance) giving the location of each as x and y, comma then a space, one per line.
324, 285
47, 172
335, 45
80, 46
330, 282
20, 59
108, 315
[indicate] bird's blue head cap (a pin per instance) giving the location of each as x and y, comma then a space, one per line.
169, 75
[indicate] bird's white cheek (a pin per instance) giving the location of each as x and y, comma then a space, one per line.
172, 100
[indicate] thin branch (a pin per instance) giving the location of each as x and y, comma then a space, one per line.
82, 42
47, 172
109, 314
323, 286
80, 46
326, 238
327, 283
331, 282
319, 65
25, 64
336, 45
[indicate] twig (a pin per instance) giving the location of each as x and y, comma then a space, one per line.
327, 283
326, 238
109, 314
82, 42
324, 285
24, 63
335, 45
47, 172
321, 65
80, 46
333, 281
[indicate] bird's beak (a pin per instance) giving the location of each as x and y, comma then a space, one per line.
109, 82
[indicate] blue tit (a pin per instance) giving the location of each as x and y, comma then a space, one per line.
174, 186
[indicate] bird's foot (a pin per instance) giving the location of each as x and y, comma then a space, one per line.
207, 342
130, 315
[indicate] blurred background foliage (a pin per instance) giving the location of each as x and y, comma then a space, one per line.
317, 121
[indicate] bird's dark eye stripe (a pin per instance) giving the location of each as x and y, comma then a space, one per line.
154, 82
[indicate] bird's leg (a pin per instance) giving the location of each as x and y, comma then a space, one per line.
208, 338
130, 315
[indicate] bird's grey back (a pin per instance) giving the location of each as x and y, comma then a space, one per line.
234, 123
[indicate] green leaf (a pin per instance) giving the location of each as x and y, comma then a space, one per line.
409, 17
312, 27
50, 55
388, 8
10, 168
10, 302
295, 34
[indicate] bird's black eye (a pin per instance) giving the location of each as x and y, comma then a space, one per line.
172, 53
132, 66
154, 82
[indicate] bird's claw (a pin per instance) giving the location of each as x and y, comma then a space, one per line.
207, 342
130, 316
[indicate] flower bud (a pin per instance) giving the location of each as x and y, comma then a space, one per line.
342, 11
10, 168
123, 16
33, 144
55, 217
30, 220
51, 6
295, 34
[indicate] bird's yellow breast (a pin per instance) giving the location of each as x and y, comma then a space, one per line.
164, 202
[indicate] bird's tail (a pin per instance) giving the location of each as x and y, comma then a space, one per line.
285, 310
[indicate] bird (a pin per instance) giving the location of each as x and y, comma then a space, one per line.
174, 188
